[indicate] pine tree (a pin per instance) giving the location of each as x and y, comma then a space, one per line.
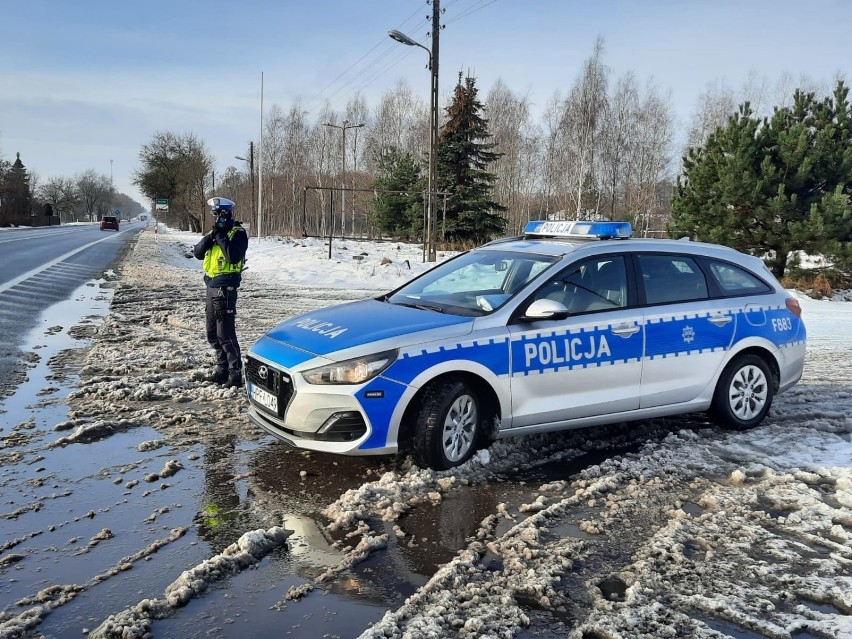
463, 156
17, 197
398, 207
773, 186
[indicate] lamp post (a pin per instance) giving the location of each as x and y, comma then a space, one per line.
346, 125
433, 123
250, 161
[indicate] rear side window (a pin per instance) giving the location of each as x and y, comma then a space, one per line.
734, 280
671, 278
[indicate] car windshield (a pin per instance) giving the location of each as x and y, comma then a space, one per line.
474, 283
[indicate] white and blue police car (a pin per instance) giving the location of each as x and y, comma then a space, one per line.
572, 324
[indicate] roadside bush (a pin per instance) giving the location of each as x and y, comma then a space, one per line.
817, 284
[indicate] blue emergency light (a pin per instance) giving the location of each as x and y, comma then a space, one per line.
579, 230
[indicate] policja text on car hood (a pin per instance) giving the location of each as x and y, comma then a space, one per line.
340, 327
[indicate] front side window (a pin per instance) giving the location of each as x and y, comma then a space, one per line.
671, 278
475, 283
591, 285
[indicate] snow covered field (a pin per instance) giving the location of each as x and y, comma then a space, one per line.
670, 528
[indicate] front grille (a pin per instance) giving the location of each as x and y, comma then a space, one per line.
273, 380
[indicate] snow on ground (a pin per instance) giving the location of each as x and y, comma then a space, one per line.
701, 533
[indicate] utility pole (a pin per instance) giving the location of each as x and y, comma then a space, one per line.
250, 161
433, 142
346, 125
260, 167
429, 226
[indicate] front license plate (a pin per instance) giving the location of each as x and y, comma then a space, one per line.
265, 399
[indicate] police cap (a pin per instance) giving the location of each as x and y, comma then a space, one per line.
221, 206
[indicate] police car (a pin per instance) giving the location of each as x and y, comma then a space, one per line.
573, 324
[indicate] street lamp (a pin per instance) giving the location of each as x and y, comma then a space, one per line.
250, 161
433, 124
346, 125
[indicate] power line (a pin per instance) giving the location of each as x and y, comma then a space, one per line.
471, 10
373, 64
316, 101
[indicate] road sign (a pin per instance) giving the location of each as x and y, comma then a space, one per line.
162, 204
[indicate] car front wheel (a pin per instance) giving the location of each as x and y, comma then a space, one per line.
448, 427
744, 393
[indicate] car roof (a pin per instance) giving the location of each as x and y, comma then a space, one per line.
561, 247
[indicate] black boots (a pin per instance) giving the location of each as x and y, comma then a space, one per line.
219, 375
235, 379
223, 377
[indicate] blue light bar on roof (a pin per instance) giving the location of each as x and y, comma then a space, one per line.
600, 230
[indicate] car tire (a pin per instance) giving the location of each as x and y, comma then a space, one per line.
744, 393
449, 425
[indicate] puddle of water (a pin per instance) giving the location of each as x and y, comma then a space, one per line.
564, 529
566, 469
692, 550
691, 508
319, 614
825, 608
613, 589
89, 303
728, 628
806, 634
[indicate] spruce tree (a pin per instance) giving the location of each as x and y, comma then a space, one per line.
17, 197
772, 186
463, 156
400, 187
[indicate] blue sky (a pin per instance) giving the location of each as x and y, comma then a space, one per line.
85, 83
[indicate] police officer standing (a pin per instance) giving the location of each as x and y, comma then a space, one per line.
223, 250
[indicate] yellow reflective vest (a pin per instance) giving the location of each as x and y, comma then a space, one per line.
215, 262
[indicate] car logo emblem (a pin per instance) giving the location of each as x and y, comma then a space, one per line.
263, 372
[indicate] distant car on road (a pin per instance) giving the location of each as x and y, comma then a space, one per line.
109, 222
571, 325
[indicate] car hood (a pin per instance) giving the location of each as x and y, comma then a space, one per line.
345, 326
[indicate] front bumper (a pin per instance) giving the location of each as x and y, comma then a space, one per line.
322, 418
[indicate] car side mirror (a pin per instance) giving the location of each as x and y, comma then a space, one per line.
545, 309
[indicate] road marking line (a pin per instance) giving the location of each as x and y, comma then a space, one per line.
25, 276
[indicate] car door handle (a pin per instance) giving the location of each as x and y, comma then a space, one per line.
720, 320
625, 330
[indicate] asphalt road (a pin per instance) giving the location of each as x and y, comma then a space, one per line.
43, 266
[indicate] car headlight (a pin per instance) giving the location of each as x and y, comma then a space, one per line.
351, 371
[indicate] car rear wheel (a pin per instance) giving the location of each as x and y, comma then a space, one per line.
744, 393
449, 424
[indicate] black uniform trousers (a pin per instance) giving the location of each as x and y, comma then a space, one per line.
221, 313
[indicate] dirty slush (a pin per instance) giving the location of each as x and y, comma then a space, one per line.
138, 501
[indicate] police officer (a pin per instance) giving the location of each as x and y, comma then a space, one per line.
223, 250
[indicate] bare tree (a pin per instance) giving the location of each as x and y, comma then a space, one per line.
715, 105
650, 158
61, 194
509, 122
582, 120
617, 129
95, 193
400, 121
553, 156
357, 113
